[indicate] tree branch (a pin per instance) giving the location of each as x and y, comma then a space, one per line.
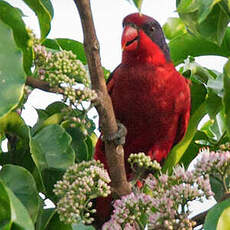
43, 85
108, 125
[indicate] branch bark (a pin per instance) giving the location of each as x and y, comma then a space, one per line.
108, 125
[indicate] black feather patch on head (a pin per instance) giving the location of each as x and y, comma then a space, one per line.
154, 31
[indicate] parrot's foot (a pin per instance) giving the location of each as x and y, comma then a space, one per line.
119, 137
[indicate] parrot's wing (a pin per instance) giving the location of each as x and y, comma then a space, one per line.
110, 81
182, 124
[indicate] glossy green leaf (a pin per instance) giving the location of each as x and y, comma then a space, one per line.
44, 14
13, 18
52, 153
205, 18
12, 76
214, 104
78, 141
226, 99
49, 7
19, 214
55, 107
67, 44
45, 215
51, 148
26, 192
224, 220
198, 95
217, 188
212, 218
18, 153
193, 149
218, 128
51, 120
82, 227
5, 214
178, 150
137, 3
13, 123
216, 85
173, 28
188, 45
55, 224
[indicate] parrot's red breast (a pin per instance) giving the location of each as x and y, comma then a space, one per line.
148, 95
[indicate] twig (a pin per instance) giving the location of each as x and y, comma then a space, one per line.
108, 125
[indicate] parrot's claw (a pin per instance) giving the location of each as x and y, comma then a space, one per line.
119, 137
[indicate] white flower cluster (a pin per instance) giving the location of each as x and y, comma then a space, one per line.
141, 160
80, 184
63, 70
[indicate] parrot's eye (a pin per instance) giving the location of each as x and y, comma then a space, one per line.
152, 29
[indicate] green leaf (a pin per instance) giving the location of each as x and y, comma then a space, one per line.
205, 18
67, 44
14, 127
19, 214
214, 104
55, 107
138, 4
82, 227
224, 220
193, 149
187, 6
51, 120
45, 215
55, 224
178, 150
173, 28
13, 123
26, 192
78, 141
12, 76
198, 95
216, 85
52, 153
51, 148
5, 214
49, 7
187, 44
217, 188
212, 218
13, 18
226, 98
44, 13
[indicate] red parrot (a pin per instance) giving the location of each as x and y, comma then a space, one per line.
150, 98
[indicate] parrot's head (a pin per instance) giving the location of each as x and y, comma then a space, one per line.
143, 40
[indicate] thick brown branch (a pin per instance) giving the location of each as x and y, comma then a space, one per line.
108, 125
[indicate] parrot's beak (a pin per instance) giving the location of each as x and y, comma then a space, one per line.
130, 37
